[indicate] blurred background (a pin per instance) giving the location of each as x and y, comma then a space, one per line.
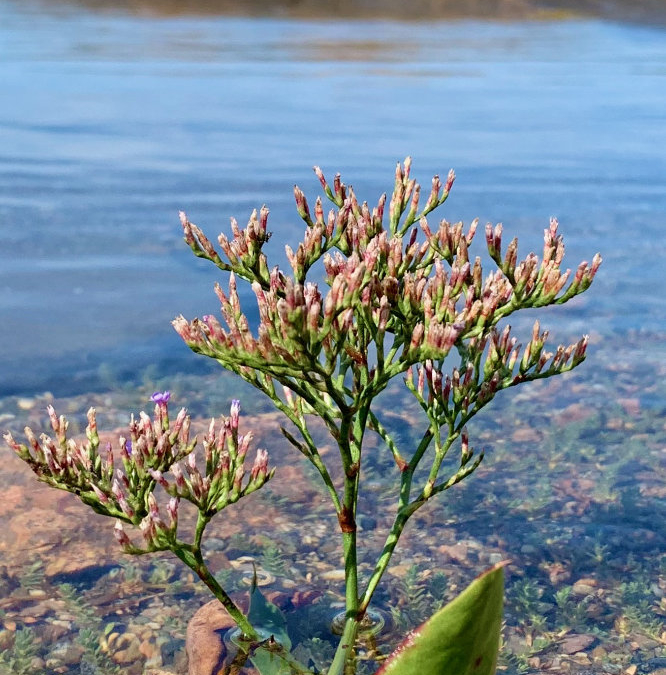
115, 115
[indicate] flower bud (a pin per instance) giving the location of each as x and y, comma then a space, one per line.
449, 182
177, 472
103, 498
301, 204
158, 477
234, 414
152, 505
172, 510
55, 422
238, 479
121, 536
417, 336
243, 445
466, 453
260, 466
148, 530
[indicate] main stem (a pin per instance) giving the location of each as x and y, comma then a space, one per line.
347, 519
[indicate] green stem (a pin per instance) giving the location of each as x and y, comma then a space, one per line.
192, 557
202, 521
351, 572
403, 513
384, 559
347, 519
345, 647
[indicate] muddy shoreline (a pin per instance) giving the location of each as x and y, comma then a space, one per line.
652, 11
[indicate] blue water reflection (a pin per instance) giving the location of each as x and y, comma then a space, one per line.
110, 124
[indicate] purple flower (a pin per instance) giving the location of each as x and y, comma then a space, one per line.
161, 398
233, 415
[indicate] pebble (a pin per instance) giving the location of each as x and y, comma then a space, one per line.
65, 654
572, 644
598, 653
457, 552
612, 668
130, 655
25, 403
152, 652
6, 639
334, 575
53, 632
65, 623
205, 644
583, 587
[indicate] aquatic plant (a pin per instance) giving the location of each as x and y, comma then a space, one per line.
19, 659
403, 300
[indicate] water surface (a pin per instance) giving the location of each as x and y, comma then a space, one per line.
110, 124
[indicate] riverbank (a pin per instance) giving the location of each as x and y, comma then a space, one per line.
616, 10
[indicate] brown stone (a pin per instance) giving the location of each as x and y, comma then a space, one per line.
584, 587
598, 653
6, 639
457, 552
526, 435
149, 649
576, 642
204, 643
632, 406
52, 632
67, 654
131, 653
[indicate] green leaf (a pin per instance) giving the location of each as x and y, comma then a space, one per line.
268, 657
267, 617
268, 662
461, 639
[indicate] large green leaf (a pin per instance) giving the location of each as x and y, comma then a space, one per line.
461, 639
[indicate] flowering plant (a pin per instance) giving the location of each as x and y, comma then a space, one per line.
403, 299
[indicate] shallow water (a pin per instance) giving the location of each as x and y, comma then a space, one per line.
109, 124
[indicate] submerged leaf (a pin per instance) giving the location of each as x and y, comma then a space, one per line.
271, 625
267, 617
